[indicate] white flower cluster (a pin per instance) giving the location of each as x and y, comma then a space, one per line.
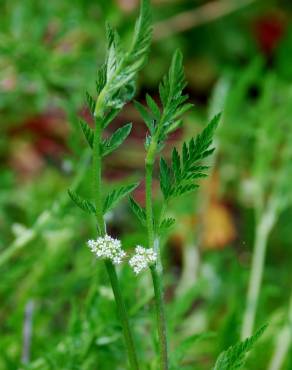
142, 258
107, 248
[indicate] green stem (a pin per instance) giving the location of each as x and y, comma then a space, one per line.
156, 270
160, 316
258, 260
123, 315
149, 207
97, 186
97, 169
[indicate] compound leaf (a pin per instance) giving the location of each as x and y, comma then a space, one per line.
164, 120
87, 131
121, 66
84, 204
138, 210
165, 178
90, 103
234, 357
166, 224
116, 195
146, 116
178, 179
119, 136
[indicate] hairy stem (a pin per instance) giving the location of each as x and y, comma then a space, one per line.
258, 260
149, 207
156, 270
97, 186
97, 170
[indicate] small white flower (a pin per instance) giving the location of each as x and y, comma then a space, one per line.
142, 258
107, 248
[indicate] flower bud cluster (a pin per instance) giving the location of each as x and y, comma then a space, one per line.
107, 247
143, 258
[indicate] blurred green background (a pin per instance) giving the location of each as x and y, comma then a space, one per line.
57, 310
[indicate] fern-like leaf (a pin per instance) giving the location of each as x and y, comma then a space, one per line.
122, 67
109, 117
165, 178
166, 224
84, 204
101, 79
234, 357
138, 211
112, 143
146, 116
162, 121
87, 131
178, 179
116, 195
90, 103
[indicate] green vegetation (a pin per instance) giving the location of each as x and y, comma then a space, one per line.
145, 223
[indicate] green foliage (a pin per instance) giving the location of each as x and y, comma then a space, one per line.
121, 66
48, 50
116, 195
84, 204
138, 210
109, 117
146, 116
234, 357
90, 102
177, 179
161, 122
118, 137
115, 85
166, 224
87, 131
172, 97
100, 81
